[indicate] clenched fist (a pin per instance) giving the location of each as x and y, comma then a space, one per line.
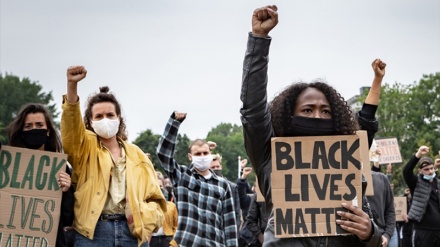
76, 73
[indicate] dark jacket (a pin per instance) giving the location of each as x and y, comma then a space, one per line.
382, 204
245, 196
66, 215
236, 196
425, 208
257, 218
258, 131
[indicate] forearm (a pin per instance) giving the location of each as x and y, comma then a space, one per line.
255, 114
367, 121
374, 93
243, 197
408, 174
73, 132
167, 144
72, 92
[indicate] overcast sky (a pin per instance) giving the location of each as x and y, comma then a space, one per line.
161, 56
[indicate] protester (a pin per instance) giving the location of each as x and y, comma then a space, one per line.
204, 200
405, 227
382, 207
34, 128
382, 203
256, 221
217, 167
118, 200
164, 236
244, 190
301, 109
425, 210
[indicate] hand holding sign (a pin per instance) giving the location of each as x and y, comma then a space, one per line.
64, 181
356, 222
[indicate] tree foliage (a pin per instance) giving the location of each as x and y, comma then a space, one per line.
411, 113
15, 92
230, 146
148, 141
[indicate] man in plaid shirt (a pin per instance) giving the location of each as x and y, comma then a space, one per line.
204, 201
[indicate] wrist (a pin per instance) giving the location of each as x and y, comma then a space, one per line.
260, 34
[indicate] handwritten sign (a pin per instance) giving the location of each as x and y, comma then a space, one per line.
311, 177
400, 207
390, 151
30, 199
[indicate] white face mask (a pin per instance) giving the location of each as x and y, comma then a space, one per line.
429, 177
106, 128
202, 163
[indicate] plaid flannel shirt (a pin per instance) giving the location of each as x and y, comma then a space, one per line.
205, 206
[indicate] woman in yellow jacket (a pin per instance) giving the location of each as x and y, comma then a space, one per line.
117, 200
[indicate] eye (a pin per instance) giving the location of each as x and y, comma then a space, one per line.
307, 110
327, 112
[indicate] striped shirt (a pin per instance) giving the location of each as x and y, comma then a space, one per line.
205, 206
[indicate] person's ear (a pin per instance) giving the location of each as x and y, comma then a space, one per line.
189, 157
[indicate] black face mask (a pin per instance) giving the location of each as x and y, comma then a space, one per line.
218, 173
35, 138
169, 191
165, 194
304, 126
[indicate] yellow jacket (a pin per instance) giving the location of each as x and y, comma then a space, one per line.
170, 222
91, 172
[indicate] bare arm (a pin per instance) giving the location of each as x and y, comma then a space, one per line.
74, 75
379, 72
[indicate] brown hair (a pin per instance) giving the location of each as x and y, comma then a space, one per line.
197, 142
15, 128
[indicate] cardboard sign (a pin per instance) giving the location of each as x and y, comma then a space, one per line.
30, 199
373, 155
390, 151
311, 177
400, 207
366, 169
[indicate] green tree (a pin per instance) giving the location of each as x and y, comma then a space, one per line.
15, 92
411, 113
148, 141
229, 139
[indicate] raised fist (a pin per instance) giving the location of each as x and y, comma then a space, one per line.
76, 73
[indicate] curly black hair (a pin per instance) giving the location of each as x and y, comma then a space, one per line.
104, 96
283, 105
